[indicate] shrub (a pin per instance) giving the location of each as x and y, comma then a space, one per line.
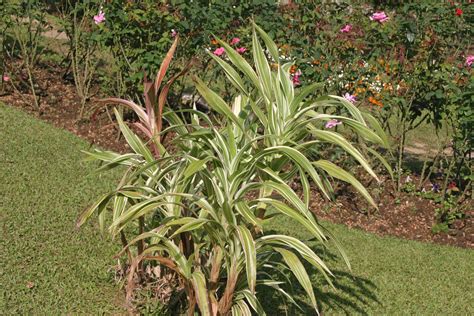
84, 43
29, 20
199, 211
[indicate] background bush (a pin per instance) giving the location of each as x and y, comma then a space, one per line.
409, 71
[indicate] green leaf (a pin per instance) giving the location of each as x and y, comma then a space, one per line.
253, 302
248, 246
337, 139
133, 140
272, 48
295, 265
193, 224
339, 173
194, 167
382, 160
310, 225
263, 69
216, 102
301, 248
300, 159
199, 284
304, 93
231, 74
99, 205
240, 63
374, 123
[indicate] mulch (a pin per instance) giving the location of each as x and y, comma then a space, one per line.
404, 215
399, 214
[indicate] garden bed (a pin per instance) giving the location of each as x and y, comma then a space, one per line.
389, 275
403, 215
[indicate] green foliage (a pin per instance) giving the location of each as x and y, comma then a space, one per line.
192, 205
137, 34
84, 44
25, 24
69, 270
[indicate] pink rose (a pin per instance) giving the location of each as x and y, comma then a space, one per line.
332, 123
234, 41
99, 18
469, 60
379, 17
219, 51
6, 78
173, 33
241, 50
346, 29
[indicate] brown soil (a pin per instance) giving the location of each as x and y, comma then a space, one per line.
60, 106
403, 215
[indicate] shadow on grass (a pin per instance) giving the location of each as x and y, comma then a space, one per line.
351, 294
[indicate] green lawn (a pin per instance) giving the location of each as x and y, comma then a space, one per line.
44, 185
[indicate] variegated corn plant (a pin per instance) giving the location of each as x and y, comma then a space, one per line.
205, 206
270, 107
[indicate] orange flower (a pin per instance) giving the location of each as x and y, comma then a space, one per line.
293, 69
360, 90
375, 101
387, 87
214, 42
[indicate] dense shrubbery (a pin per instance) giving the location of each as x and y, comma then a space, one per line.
407, 64
410, 67
200, 211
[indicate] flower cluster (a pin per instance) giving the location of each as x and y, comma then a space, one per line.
219, 51
376, 102
379, 17
234, 41
296, 78
332, 123
351, 98
469, 60
99, 18
346, 29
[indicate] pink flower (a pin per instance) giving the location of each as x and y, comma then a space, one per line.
6, 78
241, 50
349, 97
332, 123
99, 18
234, 41
346, 29
173, 33
469, 60
296, 78
379, 17
219, 51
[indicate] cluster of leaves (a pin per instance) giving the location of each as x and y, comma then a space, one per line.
200, 210
410, 67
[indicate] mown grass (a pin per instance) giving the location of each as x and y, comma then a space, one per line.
47, 267
44, 185
391, 276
